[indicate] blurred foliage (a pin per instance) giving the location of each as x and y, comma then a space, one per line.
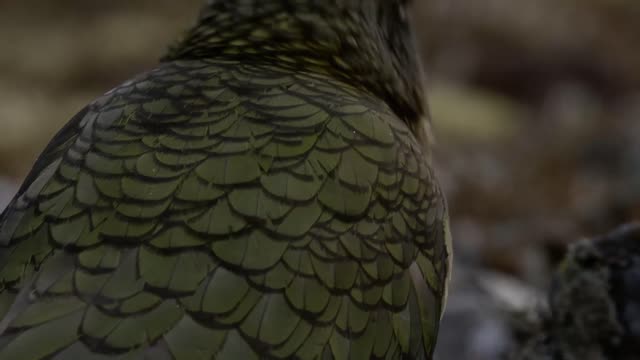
556, 83
57, 56
536, 107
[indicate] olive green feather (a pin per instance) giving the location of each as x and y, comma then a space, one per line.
243, 200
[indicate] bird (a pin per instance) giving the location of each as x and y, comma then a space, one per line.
264, 192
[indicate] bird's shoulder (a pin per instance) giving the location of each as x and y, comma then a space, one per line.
202, 177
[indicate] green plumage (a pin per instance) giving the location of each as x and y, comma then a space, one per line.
228, 206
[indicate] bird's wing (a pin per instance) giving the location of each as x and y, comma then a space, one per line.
217, 210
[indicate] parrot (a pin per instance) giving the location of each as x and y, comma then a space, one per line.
266, 191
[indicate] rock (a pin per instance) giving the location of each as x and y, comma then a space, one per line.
477, 321
594, 304
7, 190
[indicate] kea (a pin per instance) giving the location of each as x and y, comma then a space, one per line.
264, 192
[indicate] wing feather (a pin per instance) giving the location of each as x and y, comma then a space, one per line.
200, 224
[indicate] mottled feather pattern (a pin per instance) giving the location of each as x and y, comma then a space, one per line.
224, 210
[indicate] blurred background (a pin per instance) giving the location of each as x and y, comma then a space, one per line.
536, 109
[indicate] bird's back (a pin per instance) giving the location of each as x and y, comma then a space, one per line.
228, 210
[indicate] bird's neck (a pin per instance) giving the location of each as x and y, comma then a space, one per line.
305, 35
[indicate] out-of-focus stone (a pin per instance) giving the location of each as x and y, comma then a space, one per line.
594, 305
7, 190
476, 324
